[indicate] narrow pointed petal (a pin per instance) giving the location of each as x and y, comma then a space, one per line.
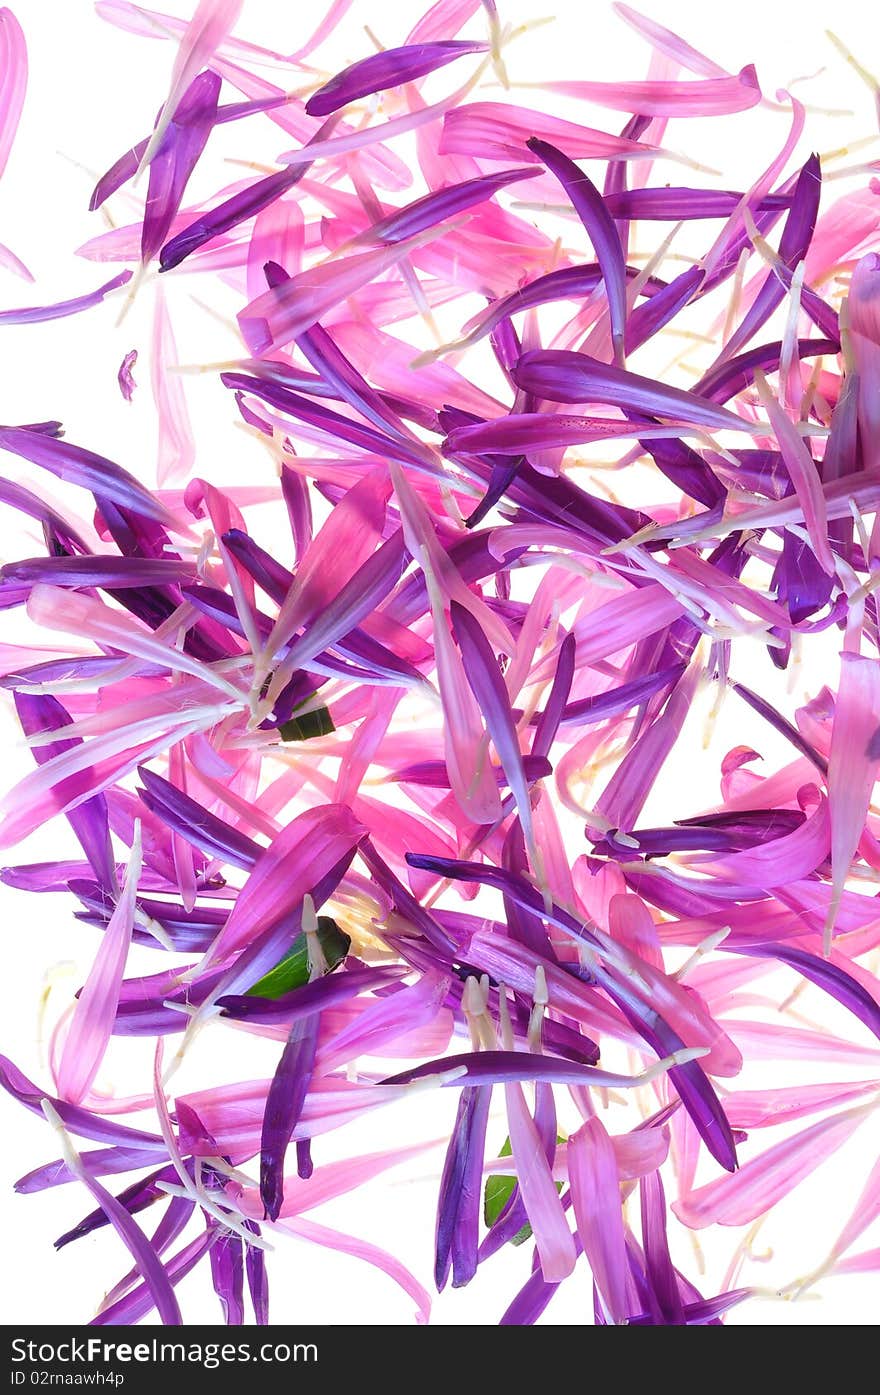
764, 1180
91, 1025
207, 29
595, 1194
391, 68
601, 229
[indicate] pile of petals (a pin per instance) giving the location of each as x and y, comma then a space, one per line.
380, 787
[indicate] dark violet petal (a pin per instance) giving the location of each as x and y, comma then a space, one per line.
603, 705
356, 600
409, 452
126, 167
649, 317
284, 1103
706, 1310
674, 205
310, 998
547, 724
793, 245
436, 207
504, 472
689, 471
227, 1275
697, 1094
192, 821
257, 1278
536, 1292
658, 1262
458, 1205
140, 1300
601, 230
559, 375
799, 580
780, 723
37, 313
89, 820
405, 903
135, 1198
733, 376
237, 209
147, 1261
229, 214
391, 68
499, 1068
268, 573
335, 370
524, 923
826, 975
98, 1162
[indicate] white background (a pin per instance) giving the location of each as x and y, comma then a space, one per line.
93, 91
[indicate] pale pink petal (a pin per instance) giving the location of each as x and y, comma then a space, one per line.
740, 1197
361, 1249
91, 1024
852, 764
553, 1238
664, 41
330, 1181
756, 1109
177, 450
280, 314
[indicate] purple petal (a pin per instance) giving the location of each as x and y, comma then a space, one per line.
599, 224
793, 246
555, 709
175, 158
826, 975
490, 690
83, 467
109, 573
436, 207
284, 1103
89, 820
192, 821
559, 375
458, 1206
392, 68
37, 313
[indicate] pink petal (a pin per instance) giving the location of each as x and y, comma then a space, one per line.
852, 763
295, 861
91, 1025
595, 1194
177, 450
13, 80
361, 1249
759, 1184
553, 1238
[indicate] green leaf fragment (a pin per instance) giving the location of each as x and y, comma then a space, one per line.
293, 970
498, 1191
318, 722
